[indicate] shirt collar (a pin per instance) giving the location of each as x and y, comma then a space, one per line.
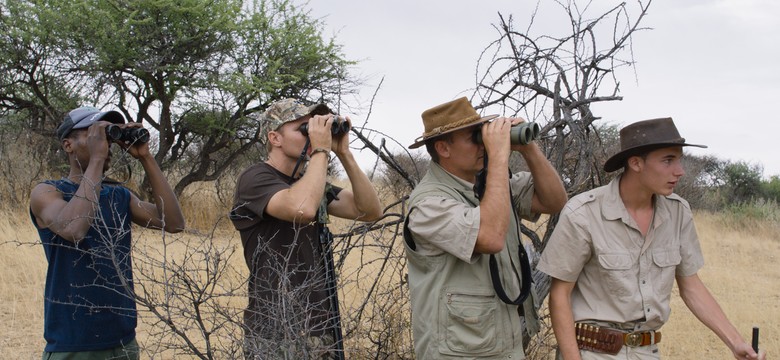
465, 188
613, 208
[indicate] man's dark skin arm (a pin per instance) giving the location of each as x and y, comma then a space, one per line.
72, 219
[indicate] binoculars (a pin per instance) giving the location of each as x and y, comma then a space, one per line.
338, 126
130, 135
520, 134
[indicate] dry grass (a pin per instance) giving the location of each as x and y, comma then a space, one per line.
740, 271
206, 209
21, 289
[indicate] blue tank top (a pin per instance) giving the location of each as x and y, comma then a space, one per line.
87, 304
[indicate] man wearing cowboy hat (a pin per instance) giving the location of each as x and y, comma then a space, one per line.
451, 235
617, 250
279, 211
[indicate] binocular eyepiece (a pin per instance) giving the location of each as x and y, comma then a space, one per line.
520, 134
338, 126
130, 135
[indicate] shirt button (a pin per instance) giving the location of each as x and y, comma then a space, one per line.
648, 310
643, 282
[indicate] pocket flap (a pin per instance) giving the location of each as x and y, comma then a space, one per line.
664, 258
616, 261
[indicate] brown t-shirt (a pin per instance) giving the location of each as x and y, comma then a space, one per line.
287, 279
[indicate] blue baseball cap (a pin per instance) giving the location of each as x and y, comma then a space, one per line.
84, 117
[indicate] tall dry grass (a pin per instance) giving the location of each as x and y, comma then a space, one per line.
21, 288
740, 270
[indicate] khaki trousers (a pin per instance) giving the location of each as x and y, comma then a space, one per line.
649, 352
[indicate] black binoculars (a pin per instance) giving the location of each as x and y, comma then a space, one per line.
520, 134
130, 135
338, 126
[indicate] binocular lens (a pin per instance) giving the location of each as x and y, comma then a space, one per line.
114, 132
521, 134
338, 126
131, 135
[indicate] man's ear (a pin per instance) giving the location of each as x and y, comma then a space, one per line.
274, 138
635, 163
67, 145
442, 148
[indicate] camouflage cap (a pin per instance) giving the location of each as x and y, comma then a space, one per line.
286, 110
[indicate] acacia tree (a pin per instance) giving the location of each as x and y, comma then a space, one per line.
194, 71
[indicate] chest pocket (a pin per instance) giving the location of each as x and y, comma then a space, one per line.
665, 264
617, 271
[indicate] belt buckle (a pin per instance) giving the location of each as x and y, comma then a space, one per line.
633, 339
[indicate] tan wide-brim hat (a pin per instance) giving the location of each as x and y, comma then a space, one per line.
645, 135
448, 117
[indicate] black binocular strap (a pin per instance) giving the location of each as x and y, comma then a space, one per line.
525, 274
525, 265
300, 159
408, 234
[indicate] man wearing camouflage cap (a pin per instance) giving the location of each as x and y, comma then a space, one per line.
279, 211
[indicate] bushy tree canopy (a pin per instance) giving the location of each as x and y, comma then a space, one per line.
193, 70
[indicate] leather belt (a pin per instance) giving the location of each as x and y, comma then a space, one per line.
610, 341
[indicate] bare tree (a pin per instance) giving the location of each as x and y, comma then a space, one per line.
372, 265
555, 80
188, 290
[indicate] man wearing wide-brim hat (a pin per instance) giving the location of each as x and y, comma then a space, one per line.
617, 250
451, 235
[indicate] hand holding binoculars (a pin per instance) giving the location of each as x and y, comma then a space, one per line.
520, 134
338, 126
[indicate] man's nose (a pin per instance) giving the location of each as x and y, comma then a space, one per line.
679, 170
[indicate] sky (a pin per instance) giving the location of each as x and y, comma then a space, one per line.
711, 65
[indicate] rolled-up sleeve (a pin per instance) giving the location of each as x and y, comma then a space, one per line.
522, 186
441, 225
690, 249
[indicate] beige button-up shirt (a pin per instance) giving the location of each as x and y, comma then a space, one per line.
622, 277
447, 225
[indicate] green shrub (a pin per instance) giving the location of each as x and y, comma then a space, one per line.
751, 212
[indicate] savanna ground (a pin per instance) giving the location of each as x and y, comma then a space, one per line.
741, 271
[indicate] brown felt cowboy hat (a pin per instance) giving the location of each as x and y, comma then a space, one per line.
645, 135
448, 117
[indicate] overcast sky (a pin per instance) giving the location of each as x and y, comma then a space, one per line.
709, 64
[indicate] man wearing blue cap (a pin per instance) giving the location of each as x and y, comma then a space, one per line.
84, 225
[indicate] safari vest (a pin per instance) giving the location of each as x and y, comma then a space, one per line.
455, 310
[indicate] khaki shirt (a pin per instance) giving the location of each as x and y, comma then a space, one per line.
443, 224
455, 311
621, 277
